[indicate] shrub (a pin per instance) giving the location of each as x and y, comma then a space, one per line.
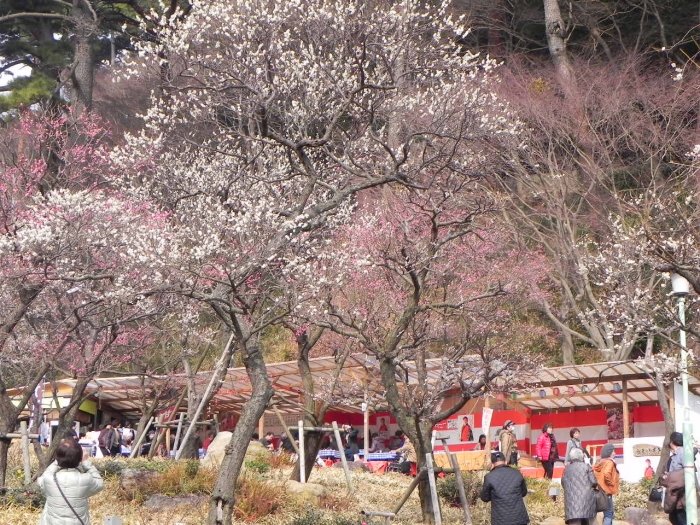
181, 478
447, 488
315, 517
191, 468
259, 465
256, 498
111, 468
31, 497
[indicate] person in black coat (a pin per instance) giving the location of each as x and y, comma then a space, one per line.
505, 488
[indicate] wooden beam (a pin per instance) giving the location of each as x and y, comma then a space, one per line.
625, 411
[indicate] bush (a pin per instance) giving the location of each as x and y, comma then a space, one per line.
256, 498
315, 517
259, 465
31, 497
180, 479
447, 488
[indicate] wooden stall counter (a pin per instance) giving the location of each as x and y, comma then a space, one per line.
468, 460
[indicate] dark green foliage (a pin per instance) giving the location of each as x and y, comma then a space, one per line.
315, 517
258, 465
447, 488
31, 497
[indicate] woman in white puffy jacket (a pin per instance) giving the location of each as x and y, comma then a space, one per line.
67, 485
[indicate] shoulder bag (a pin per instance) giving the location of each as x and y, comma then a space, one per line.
55, 480
602, 502
656, 494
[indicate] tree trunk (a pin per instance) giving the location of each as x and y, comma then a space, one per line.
668, 420
222, 499
312, 444
314, 410
8, 420
81, 80
423, 447
556, 43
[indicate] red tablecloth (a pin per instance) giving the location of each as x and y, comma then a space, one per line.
378, 467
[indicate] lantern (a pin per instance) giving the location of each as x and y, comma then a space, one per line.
584, 389
601, 388
555, 390
514, 395
571, 391
500, 396
543, 393
617, 387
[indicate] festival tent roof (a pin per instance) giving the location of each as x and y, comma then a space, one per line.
599, 384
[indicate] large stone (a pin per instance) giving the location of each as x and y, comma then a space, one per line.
217, 449
132, 480
353, 466
160, 502
553, 521
306, 493
637, 516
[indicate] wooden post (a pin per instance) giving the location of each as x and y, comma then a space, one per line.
261, 426
177, 446
409, 490
487, 460
160, 434
625, 411
343, 460
135, 448
25, 453
460, 483
286, 429
302, 459
365, 421
433, 489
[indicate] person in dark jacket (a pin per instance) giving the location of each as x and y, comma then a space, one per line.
578, 481
505, 488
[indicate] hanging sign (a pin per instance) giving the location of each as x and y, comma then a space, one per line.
486, 420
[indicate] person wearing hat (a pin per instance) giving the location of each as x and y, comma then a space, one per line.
509, 443
674, 482
608, 478
505, 488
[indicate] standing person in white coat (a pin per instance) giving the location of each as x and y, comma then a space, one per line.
67, 485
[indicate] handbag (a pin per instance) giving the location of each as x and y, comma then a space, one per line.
656, 494
602, 502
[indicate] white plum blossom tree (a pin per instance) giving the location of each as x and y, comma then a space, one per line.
270, 119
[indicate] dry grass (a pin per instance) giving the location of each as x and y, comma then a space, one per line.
372, 492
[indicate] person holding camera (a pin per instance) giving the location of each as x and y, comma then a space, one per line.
67, 484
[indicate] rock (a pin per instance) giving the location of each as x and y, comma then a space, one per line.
306, 493
217, 449
215, 452
637, 516
160, 502
553, 521
132, 480
353, 466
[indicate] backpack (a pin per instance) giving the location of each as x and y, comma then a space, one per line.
105, 438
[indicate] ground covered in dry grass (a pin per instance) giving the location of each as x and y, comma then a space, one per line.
263, 499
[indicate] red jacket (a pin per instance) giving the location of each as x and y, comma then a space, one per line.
543, 447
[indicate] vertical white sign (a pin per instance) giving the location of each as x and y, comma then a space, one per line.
486, 420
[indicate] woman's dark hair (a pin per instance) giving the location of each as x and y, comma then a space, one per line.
573, 431
546, 426
69, 453
482, 436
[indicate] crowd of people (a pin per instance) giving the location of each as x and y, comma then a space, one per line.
589, 488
